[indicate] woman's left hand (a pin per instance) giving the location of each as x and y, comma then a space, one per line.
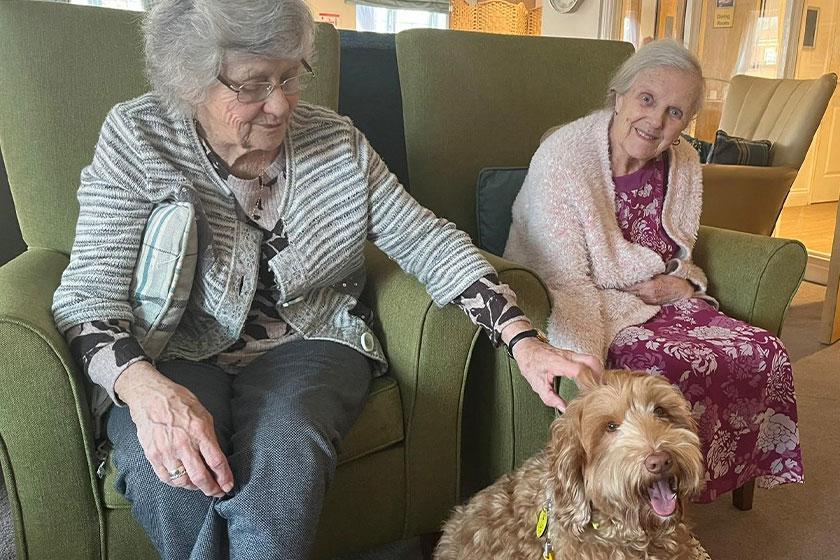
661, 289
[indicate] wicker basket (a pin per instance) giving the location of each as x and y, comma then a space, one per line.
495, 16
534, 24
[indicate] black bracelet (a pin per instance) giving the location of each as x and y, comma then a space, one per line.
531, 333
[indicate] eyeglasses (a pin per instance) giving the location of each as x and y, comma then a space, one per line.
252, 92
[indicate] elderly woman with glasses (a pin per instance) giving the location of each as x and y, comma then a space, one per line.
608, 216
225, 443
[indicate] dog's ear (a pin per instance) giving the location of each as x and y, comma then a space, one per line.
568, 459
587, 379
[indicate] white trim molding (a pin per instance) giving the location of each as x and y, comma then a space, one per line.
817, 269
610, 23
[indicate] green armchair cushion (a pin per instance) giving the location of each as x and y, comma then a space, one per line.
496, 190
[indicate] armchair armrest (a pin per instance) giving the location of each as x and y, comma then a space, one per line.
504, 421
45, 428
753, 277
744, 198
429, 350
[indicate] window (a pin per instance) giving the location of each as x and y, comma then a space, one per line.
811, 16
646, 20
394, 20
137, 5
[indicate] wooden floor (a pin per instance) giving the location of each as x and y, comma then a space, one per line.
813, 225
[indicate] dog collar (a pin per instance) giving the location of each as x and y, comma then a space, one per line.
541, 530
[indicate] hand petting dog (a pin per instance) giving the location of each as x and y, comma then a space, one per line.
540, 363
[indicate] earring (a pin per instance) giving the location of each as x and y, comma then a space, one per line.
676, 142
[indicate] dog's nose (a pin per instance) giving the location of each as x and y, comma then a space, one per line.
659, 462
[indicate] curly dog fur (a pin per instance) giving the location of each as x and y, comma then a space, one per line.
627, 446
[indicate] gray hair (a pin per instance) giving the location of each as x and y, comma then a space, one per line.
657, 54
187, 41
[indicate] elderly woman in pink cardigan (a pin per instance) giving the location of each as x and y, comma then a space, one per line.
608, 216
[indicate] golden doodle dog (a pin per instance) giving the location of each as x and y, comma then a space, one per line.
610, 484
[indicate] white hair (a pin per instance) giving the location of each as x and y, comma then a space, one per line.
187, 41
657, 54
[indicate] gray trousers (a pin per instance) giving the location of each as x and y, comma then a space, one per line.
279, 421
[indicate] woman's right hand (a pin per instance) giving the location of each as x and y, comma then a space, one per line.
662, 289
540, 363
174, 429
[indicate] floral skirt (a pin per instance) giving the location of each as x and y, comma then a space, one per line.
739, 382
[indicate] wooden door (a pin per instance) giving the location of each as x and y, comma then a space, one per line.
819, 53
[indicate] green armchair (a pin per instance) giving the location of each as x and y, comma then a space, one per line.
398, 471
470, 101
474, 100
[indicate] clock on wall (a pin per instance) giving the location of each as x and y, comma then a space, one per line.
565, 6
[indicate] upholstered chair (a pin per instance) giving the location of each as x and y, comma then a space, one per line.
473, 101
787, 113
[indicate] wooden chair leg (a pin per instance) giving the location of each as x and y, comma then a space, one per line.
428, 542
742, 498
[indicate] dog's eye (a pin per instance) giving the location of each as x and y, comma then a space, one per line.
659, 412
612, 426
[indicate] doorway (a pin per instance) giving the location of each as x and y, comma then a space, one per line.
812, 214
819, 53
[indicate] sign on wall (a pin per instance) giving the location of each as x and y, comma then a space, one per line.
329, 17
724, 13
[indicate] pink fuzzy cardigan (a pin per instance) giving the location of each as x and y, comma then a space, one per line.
564, 227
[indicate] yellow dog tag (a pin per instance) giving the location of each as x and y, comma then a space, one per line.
542, 522
548, 555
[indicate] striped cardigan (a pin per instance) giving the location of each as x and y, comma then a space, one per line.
339, 195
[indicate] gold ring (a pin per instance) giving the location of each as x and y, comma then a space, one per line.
179, 471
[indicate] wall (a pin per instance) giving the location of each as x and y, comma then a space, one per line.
583, 22
346, 12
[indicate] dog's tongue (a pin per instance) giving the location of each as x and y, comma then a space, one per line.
662, 499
